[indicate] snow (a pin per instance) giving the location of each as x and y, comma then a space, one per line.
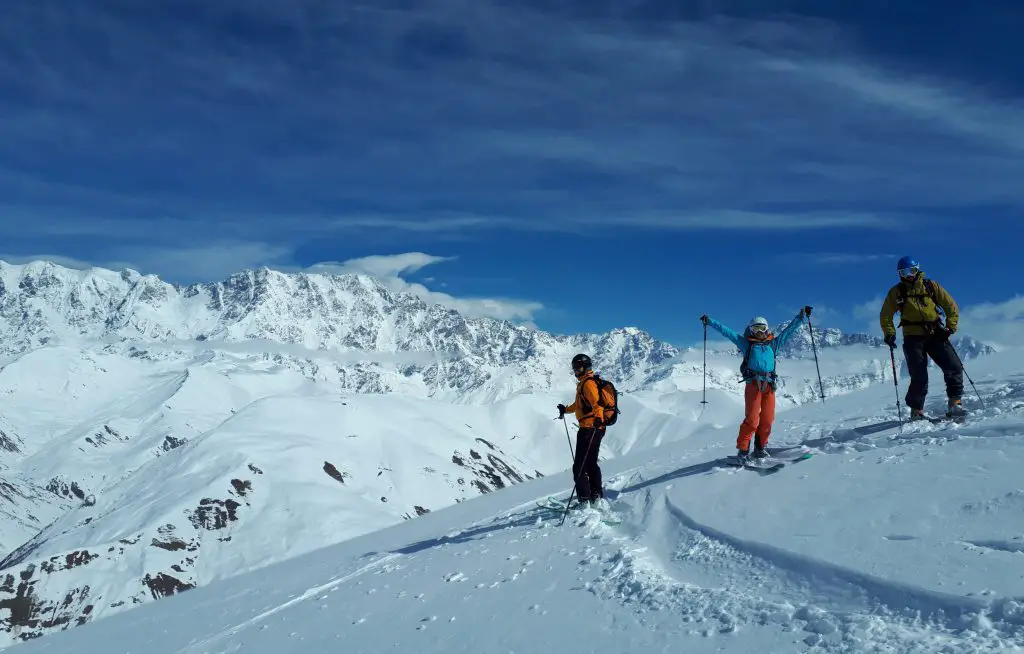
279, 446
889, 539
180, 471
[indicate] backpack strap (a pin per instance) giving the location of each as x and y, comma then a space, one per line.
745, 372
929, 288
588, 409
902, 298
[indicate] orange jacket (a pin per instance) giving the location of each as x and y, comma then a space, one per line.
587, 395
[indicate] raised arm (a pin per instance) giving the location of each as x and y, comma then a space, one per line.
790, 329
725, 331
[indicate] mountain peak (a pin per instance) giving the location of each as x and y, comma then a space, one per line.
302, 318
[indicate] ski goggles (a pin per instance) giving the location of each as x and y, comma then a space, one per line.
909, 272
759, 329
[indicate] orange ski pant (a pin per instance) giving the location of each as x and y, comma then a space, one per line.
760, 414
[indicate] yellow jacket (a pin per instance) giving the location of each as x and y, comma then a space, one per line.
919, 314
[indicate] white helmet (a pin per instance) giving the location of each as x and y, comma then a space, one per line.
758, 324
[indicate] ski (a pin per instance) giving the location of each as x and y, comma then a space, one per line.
772, 465
936, 420
749, 464
557, 506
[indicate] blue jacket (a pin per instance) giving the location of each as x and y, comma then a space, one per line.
761, 359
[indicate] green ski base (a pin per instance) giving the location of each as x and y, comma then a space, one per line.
558, 506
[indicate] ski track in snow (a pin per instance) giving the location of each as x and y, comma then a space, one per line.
312, 593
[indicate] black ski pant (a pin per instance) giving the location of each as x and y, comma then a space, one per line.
585, 470
917, 350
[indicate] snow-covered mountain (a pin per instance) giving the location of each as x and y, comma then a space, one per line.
889, 539
155, 438
349, 330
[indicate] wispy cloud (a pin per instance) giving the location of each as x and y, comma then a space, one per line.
202, 262
391, 269
60, 260
306, 118
998, 323
671, 220
380, 265
950, 106
839, 258
869, 310
184, 264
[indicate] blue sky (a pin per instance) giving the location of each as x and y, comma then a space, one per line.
580, 165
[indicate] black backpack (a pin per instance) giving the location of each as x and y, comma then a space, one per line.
929, 293
903, 295
608, 398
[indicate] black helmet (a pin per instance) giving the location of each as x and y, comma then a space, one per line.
581, 362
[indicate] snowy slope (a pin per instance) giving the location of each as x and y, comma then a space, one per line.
346, 332
181, 472
154, 438
887, 540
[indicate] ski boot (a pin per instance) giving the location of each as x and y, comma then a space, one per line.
582, 504
955, 409
917, 414
742, 455
760, 452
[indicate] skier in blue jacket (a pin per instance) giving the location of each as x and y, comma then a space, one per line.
759, 348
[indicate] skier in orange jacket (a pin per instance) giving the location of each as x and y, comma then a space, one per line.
590, 416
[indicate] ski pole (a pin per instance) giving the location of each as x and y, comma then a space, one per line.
575, 481
590, 442
810, 328
899, 409
705, 397
960, 361
568, 439
573, 455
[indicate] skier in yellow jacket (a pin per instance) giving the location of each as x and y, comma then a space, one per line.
918, 301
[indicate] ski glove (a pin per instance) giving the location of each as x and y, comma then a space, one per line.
943, 333
890, 340
807, 310
561, 410
704, 319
